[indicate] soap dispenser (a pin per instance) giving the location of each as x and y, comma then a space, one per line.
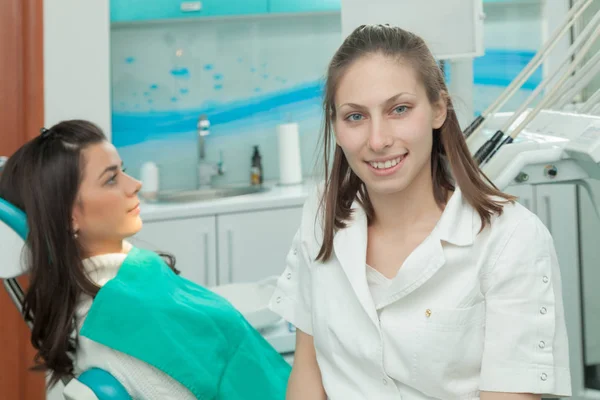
256, 171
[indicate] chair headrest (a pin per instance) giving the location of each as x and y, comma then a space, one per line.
13, 232
14, 218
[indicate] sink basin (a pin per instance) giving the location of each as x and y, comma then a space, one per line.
206, 194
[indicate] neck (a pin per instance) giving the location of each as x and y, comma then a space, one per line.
103, 247
407, 210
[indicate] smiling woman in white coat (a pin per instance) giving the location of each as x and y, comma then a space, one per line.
412, 276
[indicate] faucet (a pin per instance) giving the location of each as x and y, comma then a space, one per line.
206, 170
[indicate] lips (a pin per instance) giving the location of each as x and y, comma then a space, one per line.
134, 208
386, 164
387, 167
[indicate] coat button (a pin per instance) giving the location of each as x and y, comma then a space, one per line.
542, 344
278, 299
289, 275
545, 279
295, 252
385, 382
543, 376
543, 310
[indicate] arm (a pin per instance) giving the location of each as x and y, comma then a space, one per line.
508, 396
305, 380
526, 347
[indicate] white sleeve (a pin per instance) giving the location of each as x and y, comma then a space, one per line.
526, 348
292, 298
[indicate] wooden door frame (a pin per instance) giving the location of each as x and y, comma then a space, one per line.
21, 117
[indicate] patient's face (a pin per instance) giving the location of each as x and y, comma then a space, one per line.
107, 207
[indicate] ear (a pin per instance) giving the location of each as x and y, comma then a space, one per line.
76, 218
440, 111
74, 225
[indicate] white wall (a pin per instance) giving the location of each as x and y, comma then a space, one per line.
77, 61
76, 68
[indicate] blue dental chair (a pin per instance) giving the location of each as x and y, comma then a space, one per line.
93, 384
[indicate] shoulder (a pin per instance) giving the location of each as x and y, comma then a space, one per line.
312, 212
310, 231
516, 220
515, 237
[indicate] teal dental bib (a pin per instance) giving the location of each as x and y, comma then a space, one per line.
190, 333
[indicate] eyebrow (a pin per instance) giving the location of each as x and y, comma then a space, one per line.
112, 168
386, 103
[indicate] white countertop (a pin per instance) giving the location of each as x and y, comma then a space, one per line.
276, 197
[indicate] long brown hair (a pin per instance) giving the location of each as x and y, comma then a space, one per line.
451, 161
42, 178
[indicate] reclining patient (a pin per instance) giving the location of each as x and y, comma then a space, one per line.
97, 301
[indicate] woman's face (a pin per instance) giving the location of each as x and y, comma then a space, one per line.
107, 206
384, 123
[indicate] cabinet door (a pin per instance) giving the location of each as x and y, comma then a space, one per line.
590, 271
253, 246
291, 6
145, 10
190, 240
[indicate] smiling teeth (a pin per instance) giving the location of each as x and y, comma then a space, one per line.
387, 164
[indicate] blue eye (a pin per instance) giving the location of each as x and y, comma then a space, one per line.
354, 117
400, 109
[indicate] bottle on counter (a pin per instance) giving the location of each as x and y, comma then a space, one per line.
256, 170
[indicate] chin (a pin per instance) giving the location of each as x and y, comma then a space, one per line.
386, 188
134, 227
385, 185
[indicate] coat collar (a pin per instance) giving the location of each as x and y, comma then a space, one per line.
456, 226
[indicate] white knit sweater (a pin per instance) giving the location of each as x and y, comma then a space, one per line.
142, 381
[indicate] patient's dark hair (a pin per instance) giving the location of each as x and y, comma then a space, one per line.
42, 178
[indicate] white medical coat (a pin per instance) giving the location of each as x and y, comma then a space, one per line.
469, 311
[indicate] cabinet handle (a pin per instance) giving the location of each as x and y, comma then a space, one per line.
190, 6
206, 260
548, 213
230, 255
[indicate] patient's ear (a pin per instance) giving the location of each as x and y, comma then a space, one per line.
75, 221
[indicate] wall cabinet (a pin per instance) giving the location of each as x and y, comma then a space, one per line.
293, 6
147, 10
219, 249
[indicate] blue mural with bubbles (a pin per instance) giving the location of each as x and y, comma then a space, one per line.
247, 75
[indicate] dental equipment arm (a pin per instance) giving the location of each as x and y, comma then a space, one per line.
591, 103
487, 151
578, 81
574, 13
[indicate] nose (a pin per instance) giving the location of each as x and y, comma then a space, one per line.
379, 136
134, 187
